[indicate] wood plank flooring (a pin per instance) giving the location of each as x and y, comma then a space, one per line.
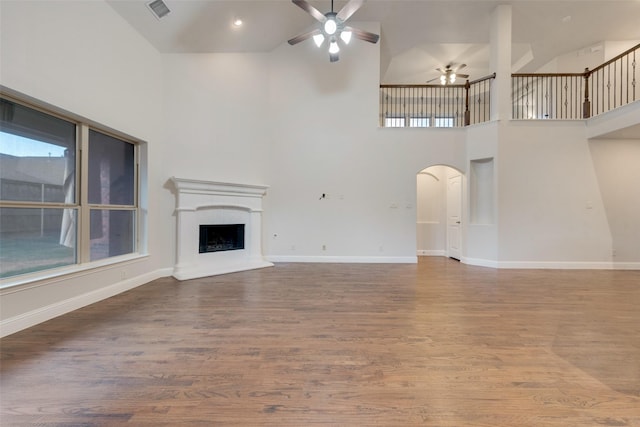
433, 344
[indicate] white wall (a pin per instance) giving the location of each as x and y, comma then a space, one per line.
326, 140
587, 57
551, 212
575, 62
216, 117
235, 118
616, 165
82, 57
615, 48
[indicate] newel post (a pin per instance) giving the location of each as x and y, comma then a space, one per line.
586, 106
467, 113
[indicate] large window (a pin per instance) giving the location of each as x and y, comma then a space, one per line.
68, 191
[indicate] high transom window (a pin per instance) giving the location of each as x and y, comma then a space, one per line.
68, 191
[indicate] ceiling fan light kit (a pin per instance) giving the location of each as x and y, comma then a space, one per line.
332, 27
449, 75
346, 36
333, 46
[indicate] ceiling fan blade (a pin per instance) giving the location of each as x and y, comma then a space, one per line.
304, 36
302, 4
460, 67
462, 76
333, 57
440, 70
433, 80
363, 35
349, 9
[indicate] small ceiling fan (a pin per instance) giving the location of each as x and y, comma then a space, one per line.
449, 75
332, 27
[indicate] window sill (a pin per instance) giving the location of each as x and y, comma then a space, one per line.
46, 277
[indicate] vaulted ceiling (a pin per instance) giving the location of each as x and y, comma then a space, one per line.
419, 35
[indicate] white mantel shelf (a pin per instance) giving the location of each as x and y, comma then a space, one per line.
210, 202
195, 186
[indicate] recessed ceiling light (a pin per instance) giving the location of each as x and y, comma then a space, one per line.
566, 19
237, 22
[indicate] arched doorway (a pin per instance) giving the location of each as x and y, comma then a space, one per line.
439, 212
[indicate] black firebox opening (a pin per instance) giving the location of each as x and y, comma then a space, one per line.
221, 237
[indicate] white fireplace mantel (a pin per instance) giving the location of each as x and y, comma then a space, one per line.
208, 202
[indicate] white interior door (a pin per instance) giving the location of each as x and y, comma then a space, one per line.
454, 217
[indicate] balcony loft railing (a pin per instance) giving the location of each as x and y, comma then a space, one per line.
563, 96
436, 105
577, 95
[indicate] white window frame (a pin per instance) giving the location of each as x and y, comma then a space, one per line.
413, 121
395, 122
438, 121
81, 204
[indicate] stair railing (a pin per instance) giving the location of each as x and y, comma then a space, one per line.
452, 105
577, 96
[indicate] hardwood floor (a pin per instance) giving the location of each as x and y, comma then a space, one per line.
436, 344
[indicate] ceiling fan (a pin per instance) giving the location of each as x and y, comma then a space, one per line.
449, 74
332, 27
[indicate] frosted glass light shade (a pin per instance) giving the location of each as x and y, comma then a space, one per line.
330, 26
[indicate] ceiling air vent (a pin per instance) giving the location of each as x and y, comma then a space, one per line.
159, 8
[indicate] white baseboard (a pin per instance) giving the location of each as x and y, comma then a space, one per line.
570, 265
345, 259
556, 265
479, 262
32, 318
626, 265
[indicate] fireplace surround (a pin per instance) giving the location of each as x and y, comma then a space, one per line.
220, 204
